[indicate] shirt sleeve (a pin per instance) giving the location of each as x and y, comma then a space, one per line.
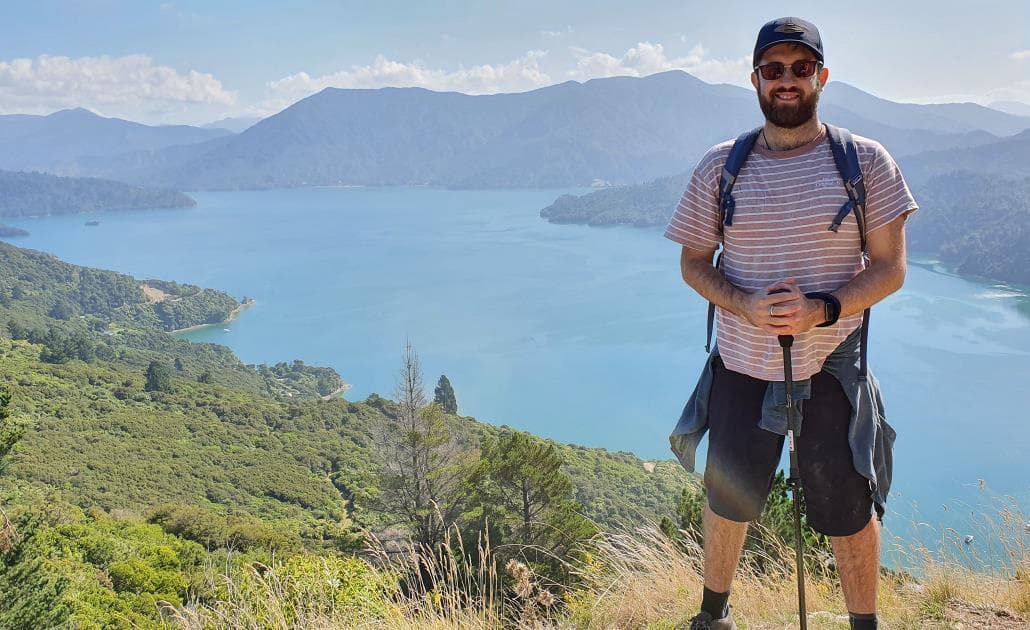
695, 223
887, 194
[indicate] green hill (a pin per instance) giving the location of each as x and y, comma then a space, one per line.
39, 194
244, 411
146, 459
976, 224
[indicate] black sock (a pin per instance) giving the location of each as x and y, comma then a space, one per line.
863, 621
715, 603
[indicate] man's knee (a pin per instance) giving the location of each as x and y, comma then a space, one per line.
736, 495
721, 519
870, 528
845, 517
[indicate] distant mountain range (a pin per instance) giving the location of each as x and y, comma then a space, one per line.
1011, 107
235, 125
60, 142
623, 130
1006, 157
940, 118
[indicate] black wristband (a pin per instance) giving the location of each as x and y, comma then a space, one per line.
832, 307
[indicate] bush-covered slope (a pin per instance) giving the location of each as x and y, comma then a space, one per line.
39, 194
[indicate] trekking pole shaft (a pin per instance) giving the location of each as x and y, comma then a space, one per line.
799, 545
794, 482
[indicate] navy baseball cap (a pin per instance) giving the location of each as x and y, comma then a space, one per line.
788, 30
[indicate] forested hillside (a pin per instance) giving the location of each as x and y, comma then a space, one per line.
977, 225
40, 195
141, 461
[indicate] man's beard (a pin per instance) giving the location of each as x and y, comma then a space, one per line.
789, 115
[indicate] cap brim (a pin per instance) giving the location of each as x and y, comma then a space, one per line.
761, 51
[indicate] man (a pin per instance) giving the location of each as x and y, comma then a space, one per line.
776, 249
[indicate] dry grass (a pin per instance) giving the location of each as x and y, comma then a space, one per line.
642, 579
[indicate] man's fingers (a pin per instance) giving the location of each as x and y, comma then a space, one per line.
788, 284
778, 298
784, 309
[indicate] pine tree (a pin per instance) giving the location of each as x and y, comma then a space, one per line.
158, 378
529, 502
10, 430
445, 396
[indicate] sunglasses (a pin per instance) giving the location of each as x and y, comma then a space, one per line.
801, 69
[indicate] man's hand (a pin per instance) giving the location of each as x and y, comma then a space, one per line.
782, 309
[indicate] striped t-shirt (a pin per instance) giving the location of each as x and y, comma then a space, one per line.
785, 201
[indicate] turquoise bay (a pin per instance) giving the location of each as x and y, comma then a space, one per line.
580, 334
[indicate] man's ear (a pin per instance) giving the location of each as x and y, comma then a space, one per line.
754, 79
824, 76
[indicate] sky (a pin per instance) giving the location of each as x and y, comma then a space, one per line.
193, 62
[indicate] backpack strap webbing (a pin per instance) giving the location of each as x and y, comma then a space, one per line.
739, 153
845, 155
734, 162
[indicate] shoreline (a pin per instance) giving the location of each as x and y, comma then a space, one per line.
336, 392
232, 315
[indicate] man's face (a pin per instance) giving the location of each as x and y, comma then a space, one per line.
788, 101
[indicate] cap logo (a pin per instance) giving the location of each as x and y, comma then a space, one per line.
789, 27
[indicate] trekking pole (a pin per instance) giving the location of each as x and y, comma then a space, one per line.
794, 481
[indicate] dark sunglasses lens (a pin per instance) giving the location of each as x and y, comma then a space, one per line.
772, 71
803, 69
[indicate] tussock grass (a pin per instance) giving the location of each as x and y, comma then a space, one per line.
632, 579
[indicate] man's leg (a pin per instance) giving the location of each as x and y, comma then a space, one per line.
838, 499
858, 561
724, 540
739, 471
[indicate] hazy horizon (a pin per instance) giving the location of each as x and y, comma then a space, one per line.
188, 62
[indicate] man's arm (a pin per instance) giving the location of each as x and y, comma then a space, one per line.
884, 275
698, 272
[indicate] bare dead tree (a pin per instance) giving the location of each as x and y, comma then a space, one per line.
424, 465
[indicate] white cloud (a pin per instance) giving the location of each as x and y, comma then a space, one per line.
131, 86
520, 74
647, 58
558, 33
1016, 91
1021, 55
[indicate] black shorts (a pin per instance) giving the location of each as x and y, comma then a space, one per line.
742, 458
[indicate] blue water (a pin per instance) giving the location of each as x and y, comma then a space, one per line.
580, 334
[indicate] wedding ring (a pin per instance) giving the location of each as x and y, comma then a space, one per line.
770, 310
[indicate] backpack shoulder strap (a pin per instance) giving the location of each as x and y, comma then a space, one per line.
845, 154
739, 153
734, 162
